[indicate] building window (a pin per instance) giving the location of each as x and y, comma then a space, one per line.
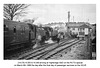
73, 28
78, 29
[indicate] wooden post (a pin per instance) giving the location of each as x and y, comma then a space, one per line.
90, 43
89, 46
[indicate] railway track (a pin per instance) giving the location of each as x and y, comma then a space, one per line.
16, 53
57, 50
36, 50
46, 52
27, 51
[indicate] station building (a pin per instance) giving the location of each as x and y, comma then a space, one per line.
81, 29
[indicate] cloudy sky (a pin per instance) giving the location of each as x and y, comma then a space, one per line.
47, 13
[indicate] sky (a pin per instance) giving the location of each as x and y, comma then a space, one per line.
47, 13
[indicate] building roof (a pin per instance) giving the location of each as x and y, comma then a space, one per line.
74, 25
78, 25
84, 26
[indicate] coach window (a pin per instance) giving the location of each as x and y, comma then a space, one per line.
5, 28
21, 30
15, 29
33, 29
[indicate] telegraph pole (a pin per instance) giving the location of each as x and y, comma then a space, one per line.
73, 18
68, 16
68, 21
88, 20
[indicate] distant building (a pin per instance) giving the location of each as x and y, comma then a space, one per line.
80, 28
28, 21
60, 26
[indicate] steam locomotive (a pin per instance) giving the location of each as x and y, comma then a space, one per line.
16, 34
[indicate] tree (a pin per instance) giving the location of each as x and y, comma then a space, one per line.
14, 10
